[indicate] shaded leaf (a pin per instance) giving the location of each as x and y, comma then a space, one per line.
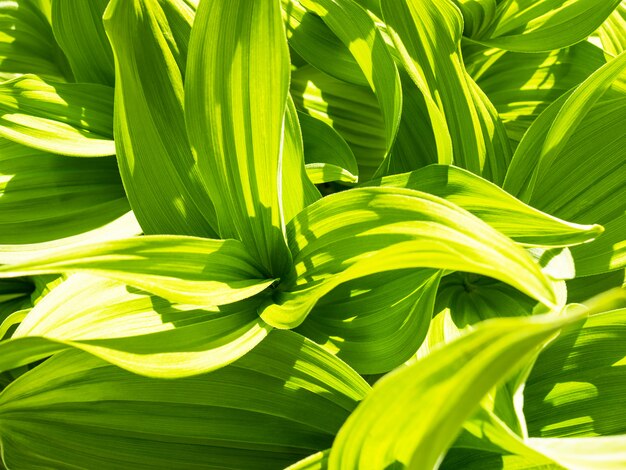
158, 169
136, 331
372, 230
78, 28
281, 402
66, 118
236, 130
192, 270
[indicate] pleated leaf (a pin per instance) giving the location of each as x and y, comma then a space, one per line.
192, 270
544, 25
494, 206
45, 197
366, 231
318, 45
236, 91
571, 164
375, 323
134, 330
70, 119
79, 30
281, 402
576, 386
327, 155
613, 31
412, 416
351, 110
27, 44
297, 189
358, 31
158, 169
427, 36
522, 85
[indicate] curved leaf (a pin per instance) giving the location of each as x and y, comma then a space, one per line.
413, 415
613, 31
159, 173
139, 332
351, 110
358, 31
66, 118
281, 402
570, 164
522, 85
318, 45
372, 230
191, 270
375, 323
327, 155
46, 197
236, 90
427, 36
78, 28
27, 44
544, 25
494, 206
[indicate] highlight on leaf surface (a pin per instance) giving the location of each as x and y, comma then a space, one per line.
430, 194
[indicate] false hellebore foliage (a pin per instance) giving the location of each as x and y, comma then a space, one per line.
315, 234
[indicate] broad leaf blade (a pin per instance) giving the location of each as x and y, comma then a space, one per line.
281, 402
134, 330
494, 206
371, 230
536, 26
413, 415
192, 270
235, 100
427, 35
46, 197
159, 173
79, 30
70, 119
27, 44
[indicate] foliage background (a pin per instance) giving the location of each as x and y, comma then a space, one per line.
312, 234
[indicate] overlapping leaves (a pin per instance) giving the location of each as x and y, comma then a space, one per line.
487, 141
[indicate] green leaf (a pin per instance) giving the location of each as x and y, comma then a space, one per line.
416, 143
544, 25
192, 270
158, 169
494, 206
372, 230
27, 44
66, 118
318, 45
281, 402
297, 190
412, 416
522, 85
570, 164
427, 36
46, 197
358, 31
351, 110
576, 386
375, 323
78, 28
327, 155
139, 332
613, 31
235, 99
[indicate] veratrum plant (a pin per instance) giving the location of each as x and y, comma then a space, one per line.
312, 234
